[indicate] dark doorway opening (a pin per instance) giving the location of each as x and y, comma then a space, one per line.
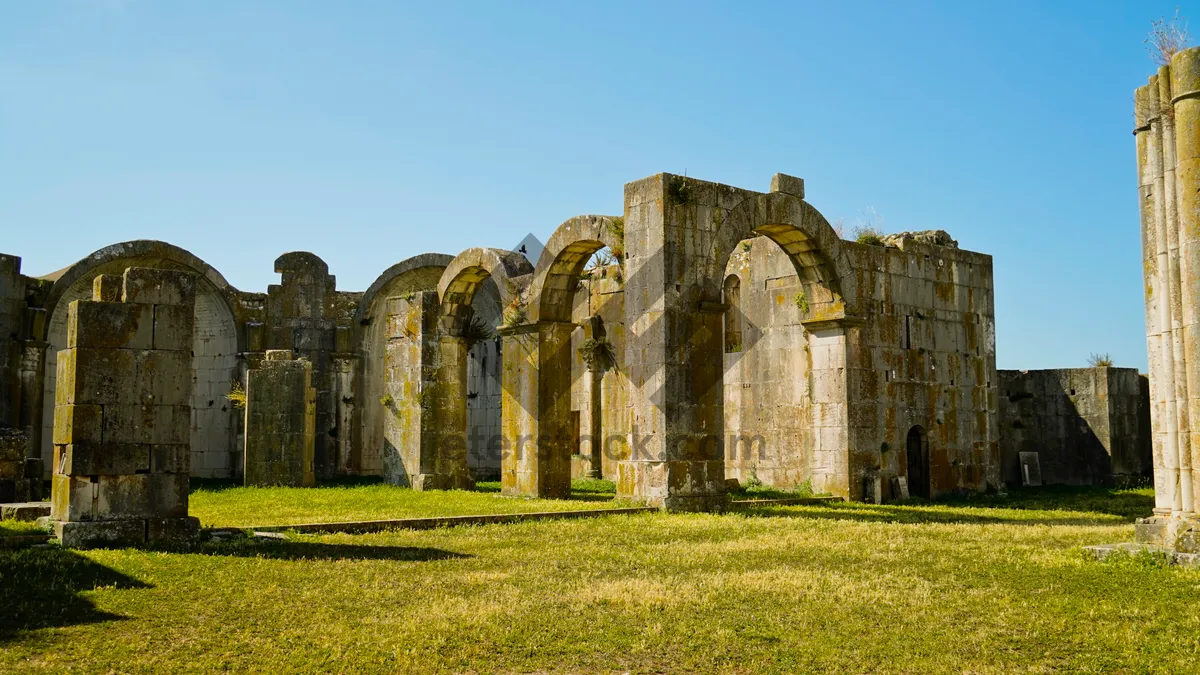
917, 457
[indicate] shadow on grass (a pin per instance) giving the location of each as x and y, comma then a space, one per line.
303, 550
902, 514
39, 588
1078, 505
222, 484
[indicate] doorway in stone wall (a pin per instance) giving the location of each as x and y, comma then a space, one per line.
917, 460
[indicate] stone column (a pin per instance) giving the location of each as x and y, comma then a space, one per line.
1180, 123
675, 346
123, 412
425, 416
281, 408
536, 410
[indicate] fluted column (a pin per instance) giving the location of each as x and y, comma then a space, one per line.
1183, 124
1155, 265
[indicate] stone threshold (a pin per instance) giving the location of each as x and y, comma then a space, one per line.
1106, 551
24, 511
429, 523
794, 501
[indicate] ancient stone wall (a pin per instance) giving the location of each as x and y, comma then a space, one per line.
281, 407
1089, 426
123, 412
926, 361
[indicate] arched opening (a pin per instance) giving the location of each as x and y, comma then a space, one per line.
916, 457
579, 346
596, 391
215, 453
733, 314
767, 407
414, 274
476, 291
783, 396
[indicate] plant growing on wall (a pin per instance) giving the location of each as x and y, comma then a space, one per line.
801, 301
476, 331
1100, 360
598, 354
237, 395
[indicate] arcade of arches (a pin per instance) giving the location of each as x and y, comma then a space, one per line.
726, 334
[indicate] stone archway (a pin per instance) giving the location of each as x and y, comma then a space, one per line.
215, 349
419, 273
538, 359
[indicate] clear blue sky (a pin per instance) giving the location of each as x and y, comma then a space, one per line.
368, 132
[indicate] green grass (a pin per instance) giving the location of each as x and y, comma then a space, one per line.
995, 585
225, 504
19, 528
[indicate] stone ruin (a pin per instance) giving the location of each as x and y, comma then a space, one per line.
1167, 129
122, 412
708, 333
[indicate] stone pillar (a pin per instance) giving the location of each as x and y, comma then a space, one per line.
675, 346
122, 415
536, 410
597, 365
1167, 129
281, 408
425, 416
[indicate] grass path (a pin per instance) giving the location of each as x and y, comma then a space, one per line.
986, 586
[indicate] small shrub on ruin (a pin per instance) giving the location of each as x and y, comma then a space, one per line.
801, 301
1167, 38
1100, 360
869, 235
477, 331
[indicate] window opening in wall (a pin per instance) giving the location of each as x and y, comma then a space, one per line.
907, 338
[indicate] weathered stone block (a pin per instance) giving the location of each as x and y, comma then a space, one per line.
72, 497
159, 286
114, 325
107, 288
171, 530
78, 423
96, 376
164, 377
170, 458
149, 424
113, 533
102, 459
147, 495
174, 327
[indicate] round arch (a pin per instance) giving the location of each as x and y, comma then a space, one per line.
473, 267
418, 273
401, 274
799, 229
217, 343
143, 252
563, 260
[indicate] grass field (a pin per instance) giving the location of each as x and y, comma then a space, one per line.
981, 586
224, 504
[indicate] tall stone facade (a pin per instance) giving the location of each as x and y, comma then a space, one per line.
122, 412
1089, 426
1167, 129
281, 418
22, 360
